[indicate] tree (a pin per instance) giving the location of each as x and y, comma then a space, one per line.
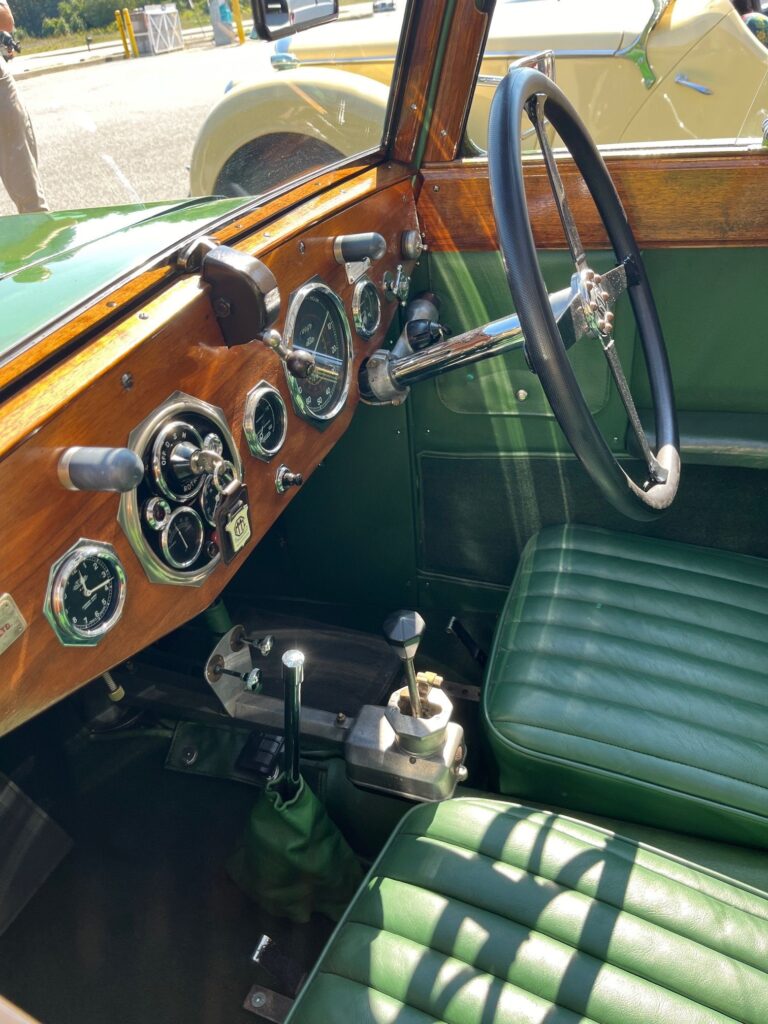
29, 14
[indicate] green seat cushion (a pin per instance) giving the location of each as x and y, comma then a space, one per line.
629, 677
483, 912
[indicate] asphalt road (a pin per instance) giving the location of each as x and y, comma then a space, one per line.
122, 132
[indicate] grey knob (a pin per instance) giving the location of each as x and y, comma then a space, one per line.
100, 469
403, 631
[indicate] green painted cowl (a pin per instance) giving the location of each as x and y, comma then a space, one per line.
52, 262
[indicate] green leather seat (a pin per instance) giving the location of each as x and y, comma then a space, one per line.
481, 912
629, 677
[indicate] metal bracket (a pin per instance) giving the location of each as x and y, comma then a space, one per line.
637, 51
267, 1004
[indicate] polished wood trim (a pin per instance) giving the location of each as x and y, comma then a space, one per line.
411, 105
312, 199
674, 200
463, 55
173, 343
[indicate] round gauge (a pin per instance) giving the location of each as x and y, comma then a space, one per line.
209, 499
265, 421
86, 593
182, 539
366, 308
172, 481
156, 512
316, 322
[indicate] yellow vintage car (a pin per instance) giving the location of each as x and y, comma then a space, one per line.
639, 70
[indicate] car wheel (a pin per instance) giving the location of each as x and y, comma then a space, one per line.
267, 162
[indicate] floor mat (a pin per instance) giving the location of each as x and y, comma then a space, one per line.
140, 923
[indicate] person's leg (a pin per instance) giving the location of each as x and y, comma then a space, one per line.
18, 149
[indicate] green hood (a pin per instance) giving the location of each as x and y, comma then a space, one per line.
52, 262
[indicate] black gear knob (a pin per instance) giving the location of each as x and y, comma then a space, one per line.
403, 630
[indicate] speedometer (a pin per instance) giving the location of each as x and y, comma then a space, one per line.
316, 321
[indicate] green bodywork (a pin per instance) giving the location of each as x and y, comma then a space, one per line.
52, 262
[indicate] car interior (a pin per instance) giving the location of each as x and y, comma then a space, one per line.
383, 601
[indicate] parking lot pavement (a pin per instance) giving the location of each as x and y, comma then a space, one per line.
122, 132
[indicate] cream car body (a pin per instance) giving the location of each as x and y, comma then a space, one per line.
639, 71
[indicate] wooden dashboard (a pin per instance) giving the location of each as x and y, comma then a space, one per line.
98, 395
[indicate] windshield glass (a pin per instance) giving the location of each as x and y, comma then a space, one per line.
639, 72
179, 100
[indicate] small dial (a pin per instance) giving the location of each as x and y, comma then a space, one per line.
86, 593
182, 539
156, 513
209, 500
170, 482
366, 308
265, 421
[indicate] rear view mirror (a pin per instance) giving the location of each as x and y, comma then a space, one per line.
273, 19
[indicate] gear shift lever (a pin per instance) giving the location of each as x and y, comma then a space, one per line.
293, 677
403, 631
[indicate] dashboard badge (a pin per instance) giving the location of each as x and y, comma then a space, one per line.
12, 622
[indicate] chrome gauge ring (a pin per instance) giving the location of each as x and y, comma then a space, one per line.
86, 593
317, 322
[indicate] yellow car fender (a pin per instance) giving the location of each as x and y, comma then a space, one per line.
261, 134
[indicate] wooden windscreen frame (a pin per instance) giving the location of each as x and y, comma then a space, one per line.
675, 195
673, 200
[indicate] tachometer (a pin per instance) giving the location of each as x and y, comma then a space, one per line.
316, 321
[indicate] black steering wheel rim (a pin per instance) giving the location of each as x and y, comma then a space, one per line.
544, 346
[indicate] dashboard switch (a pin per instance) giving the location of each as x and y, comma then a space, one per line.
284, 479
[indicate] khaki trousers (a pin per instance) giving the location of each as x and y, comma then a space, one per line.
18, 148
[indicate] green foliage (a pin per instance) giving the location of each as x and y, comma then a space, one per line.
30, 14
62, 17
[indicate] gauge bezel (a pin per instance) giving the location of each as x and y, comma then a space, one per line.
165, 543
177, 405
257, 394
297, 300
357, 313
60, 574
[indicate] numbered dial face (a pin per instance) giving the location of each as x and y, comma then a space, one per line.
316, 321
182, 539
172, 481
86, 593
265, 421
366, 309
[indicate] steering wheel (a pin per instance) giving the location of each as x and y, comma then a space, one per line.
552, 324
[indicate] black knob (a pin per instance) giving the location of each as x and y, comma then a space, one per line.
423, 333
354, 248
285, 478
300, 363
